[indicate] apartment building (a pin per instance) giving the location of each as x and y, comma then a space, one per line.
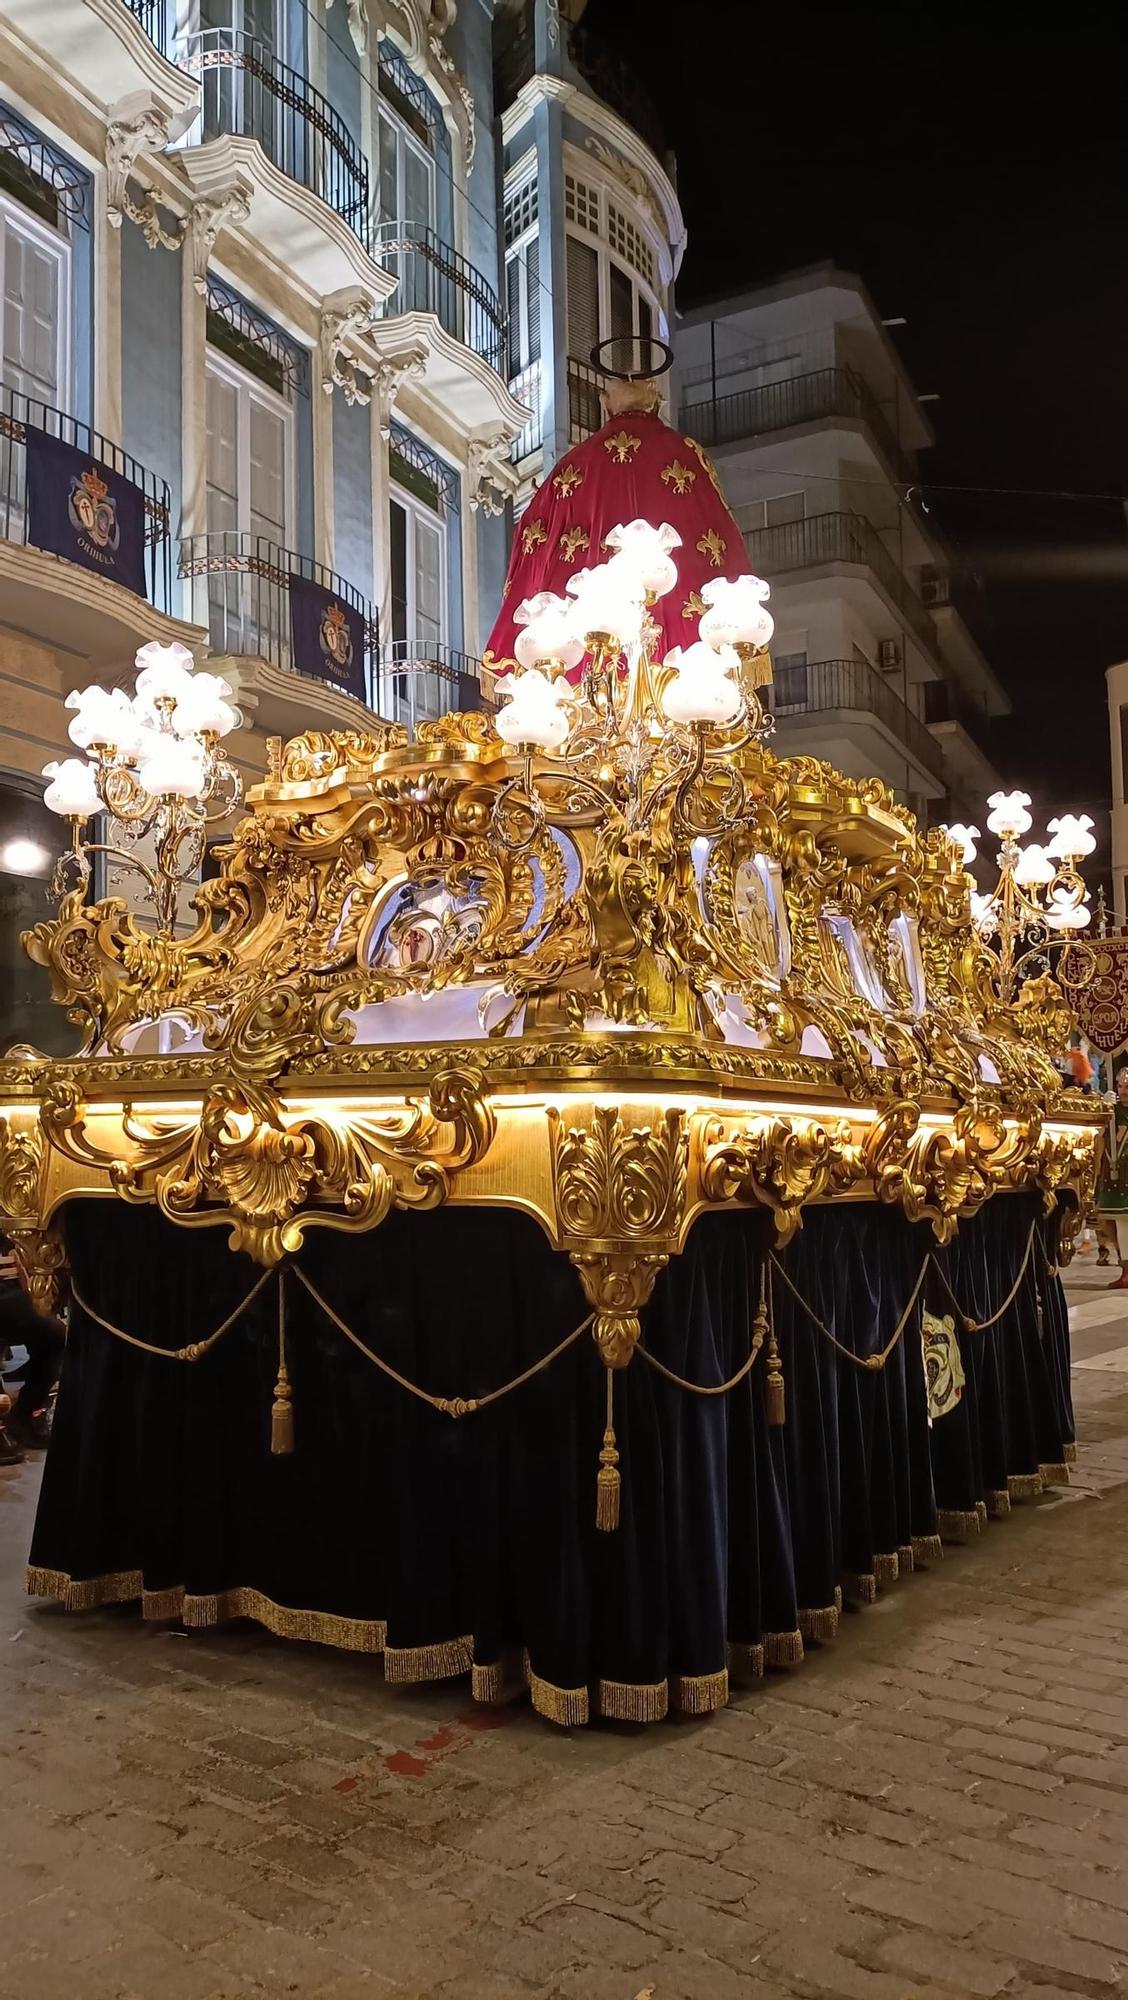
799, 394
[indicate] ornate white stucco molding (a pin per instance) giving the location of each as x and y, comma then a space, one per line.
358, 22
347, 316
389, 373
490, 476
221, 208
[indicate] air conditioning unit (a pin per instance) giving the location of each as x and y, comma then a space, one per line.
935, 587
889, 655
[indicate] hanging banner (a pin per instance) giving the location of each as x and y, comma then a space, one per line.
79, 509
1100, 1002
327, 637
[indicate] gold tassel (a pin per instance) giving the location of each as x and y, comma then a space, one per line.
608, 1482
282, 1411
755, 665
775, 1402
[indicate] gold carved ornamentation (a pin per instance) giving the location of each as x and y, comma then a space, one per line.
781, 1162
38, 1251
620, 1190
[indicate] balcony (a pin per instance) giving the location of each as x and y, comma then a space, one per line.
152, 15
585, 409
418, 680
433, 278
107, 49
962, 733
65, 603
823, 394
240, 587
852, 686
527, 388
822, 541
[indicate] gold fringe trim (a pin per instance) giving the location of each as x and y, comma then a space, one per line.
887, 1568
567, 1706
1055, 1475
863, 1588
838, 1597
1069, 1454
783, 1649
981, 1513
745, 1663
487, 1684
634, 1701
956, 1526
320, 1628
905, 1559
928, 1549
1025, 1485
439, 1662
821, 1624
700, 1694
162, 1604
83, 1594
998, 1504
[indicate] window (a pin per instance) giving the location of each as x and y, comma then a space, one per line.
581, 204
789, 688
250, 504
417, 541
774, 513
522, 208
583, 298
522, 276
406, 181
630, 243
34, 287
236, 99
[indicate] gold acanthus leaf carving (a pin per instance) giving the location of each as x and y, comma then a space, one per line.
38, 1251
618, 1181
781, 1162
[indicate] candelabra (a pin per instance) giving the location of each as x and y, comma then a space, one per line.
154, 764
1040, 903
624, 741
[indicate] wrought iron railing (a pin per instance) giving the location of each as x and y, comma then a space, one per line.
799, 399
152, 15
436, 279
247, 91
20, 414
241, 591
585, 410
836, 538
419, 679
527, 388
853, 684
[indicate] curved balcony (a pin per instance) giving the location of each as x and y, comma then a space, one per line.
261, 126
433, 278
63, 602
853, 689
816, 397
419, 679
240, 589
153, 17
820, 541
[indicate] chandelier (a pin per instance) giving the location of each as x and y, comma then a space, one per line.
1039, 902
154, 765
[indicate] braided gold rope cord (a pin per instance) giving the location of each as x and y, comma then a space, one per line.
870, 1362
195, 1349
697, 1388
981, 1325
449, 1406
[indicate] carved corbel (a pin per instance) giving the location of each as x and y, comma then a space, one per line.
490, 475
781, 1162
139, 124
346, 316
227, 208
38, 1250
389, 376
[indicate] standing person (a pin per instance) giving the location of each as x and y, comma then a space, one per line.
1112, 1196
28, 1425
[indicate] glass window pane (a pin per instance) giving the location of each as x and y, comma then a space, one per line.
622, 304
583, 299
417, 204
398, 550
428, 582
389, 171
223, 443
268, 472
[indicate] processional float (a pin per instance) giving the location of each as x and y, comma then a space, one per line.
601, 957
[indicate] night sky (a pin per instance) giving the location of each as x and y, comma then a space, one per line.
981, 191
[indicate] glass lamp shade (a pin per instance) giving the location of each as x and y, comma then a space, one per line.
1034, 867
204, 707
646, 551
609, 599
72, 791
103, 717
1009, 816
736, 615
1072, 837
550, 631
965, 838
163, 672
170, 766
702, 688
535, 716
1063, 914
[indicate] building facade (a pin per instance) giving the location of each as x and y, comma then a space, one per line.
798, 393
311, 304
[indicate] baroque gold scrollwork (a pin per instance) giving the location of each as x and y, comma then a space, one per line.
620, 1191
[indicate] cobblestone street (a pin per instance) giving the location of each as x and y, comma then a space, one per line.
936, 1804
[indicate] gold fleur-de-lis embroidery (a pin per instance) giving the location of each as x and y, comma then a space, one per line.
704, 461
679, 476
530, 536
712, 545
567, 480
622, 446
694, 606
572, 541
